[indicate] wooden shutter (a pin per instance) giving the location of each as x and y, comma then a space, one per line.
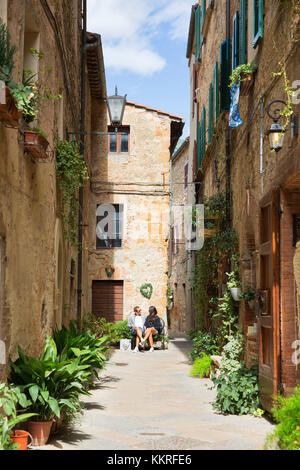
258, 21
236, 41
210, 114
225, 74
107, 300
216, 93
243, 32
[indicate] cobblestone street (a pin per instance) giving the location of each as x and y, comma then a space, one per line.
148, 401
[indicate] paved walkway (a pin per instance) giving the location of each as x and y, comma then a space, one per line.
149, 401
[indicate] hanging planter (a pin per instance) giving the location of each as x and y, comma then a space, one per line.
9, 113
236, 293
35, 144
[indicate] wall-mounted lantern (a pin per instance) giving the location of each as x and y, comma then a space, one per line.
116, 106
276, 132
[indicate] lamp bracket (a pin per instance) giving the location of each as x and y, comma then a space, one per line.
275, 113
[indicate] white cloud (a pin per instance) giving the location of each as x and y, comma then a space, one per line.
129, 27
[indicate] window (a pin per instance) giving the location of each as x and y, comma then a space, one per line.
225, 74
258, 21
118, 143
203, 135
236, 41
109, 229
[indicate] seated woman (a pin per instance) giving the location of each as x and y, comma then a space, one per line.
153, 327
136, 324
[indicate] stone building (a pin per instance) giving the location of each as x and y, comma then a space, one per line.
261, 185
179, 321
38, 264
130, 183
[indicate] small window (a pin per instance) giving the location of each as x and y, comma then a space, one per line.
236, 41
118, 142
109, 226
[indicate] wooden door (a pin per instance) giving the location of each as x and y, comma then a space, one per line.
268, 316
107, 300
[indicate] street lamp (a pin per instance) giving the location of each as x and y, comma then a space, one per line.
116, 106
276, 131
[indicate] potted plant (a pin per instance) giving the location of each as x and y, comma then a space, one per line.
123, 334
245, 75
35, 142
234, 285
9, 113
10, 399
249, 296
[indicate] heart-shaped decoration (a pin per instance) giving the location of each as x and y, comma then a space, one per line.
146, 290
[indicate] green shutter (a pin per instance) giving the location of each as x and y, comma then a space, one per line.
258, 21
216, 93
210, 115
198, 145
236, 41
198, 34
225, 65
243, 29
203, 136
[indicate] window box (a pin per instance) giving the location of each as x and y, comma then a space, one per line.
35, 144
9, 113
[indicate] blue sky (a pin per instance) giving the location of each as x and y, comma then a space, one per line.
144, 46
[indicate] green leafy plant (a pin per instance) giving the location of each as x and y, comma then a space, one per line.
201, 367
50, 386
204, 343
7, 53
236, 386
249, 294
71, 173
239, 73
233, 280
100, 327
228, 312
122, 331
88, 350
11, 398
286, 413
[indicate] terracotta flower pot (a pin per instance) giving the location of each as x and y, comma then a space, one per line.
35, 144
40, 432
21, 438
9, 113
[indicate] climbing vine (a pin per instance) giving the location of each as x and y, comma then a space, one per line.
213, 308
71, 173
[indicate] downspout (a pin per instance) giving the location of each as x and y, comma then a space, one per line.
227, 143
82, 152
171, 218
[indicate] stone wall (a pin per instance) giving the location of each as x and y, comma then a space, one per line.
139, 180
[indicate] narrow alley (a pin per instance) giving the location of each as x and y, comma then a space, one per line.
148, 401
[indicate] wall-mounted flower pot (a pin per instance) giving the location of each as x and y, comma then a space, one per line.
9, 113
35, 144
40, 432
21, 438
235, 292
246, 83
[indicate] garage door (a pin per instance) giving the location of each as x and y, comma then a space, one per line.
108, 300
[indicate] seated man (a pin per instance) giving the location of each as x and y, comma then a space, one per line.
136, 324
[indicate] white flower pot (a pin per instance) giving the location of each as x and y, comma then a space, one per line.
125, 344
235, 292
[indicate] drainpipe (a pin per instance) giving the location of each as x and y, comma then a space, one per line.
82, 152
170, 217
